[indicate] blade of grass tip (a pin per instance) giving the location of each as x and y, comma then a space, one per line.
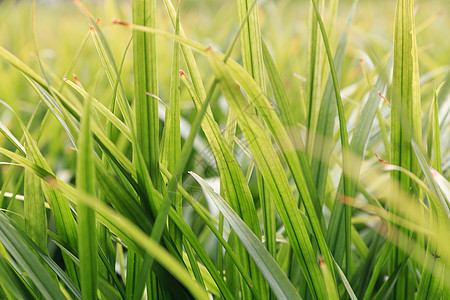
346, 170
277, 280
108, 63
314, 68
191, 63
62, 116
35, 271
274, 175
405, 119
87, 241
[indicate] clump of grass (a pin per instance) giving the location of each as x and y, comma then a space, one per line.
142, 181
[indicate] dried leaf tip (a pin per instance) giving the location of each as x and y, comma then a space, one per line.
383, 97
321, 260
379, 159
115, 21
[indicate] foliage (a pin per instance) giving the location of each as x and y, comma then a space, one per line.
184, 160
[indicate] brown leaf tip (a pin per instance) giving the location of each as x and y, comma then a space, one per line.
383, 97
115, 21
321, 260
380, 159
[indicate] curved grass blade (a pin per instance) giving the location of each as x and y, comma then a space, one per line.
271, 271
28, 261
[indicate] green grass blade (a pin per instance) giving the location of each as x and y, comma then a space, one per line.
346, 170
28, 261
11, 285
329, 280
405, 117
321, 147
87, 242
34, 210
65, 223
8, 134
171, 144
271, 271
145, 75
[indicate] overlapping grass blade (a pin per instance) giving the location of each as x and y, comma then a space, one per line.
17, 248
321, 146
344, 138
65, 223
271, 271
12, 286
234, 183
126, 230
